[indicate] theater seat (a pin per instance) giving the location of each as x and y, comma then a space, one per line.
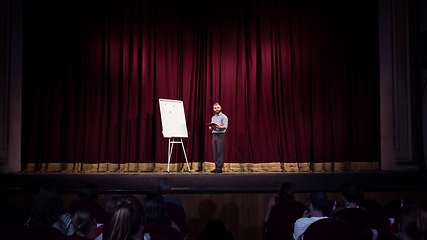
329, 229
356, 216
177, 215
369, 234
36, 232
373, 207
161, 232
283, 215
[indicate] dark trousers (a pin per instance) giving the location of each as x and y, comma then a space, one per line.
218, 142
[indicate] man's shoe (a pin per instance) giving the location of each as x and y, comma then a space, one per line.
219, 171
213, 171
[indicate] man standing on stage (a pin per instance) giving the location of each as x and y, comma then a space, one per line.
218, 137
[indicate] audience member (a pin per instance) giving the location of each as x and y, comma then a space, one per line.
412, 223
164, 186
87, 197
350, 193
110, 205
127, 221
285, 192
155, 211
317, 201
84, 223
88, 193
48, 209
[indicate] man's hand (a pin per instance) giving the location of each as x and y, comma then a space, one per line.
306, 214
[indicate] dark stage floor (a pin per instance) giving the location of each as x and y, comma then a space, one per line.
203, 182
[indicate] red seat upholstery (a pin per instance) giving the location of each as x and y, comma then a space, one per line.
355, 216
369, 234
177, 215
373, 207
283, 215
36, 232
161, 232
383, 224
329, 229
400, 202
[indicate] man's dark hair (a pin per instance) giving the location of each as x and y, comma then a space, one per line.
351, 192
164, 186
318, 200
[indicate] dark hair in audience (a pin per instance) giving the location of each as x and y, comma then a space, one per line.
351, 192
48, 206
164, 186
127, 219
110, 205
82, 220
285, 192
412, 222
88, 192
155, 211
318, 200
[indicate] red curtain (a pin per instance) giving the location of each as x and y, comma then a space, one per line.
298, 81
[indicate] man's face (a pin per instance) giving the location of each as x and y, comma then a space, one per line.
217, 109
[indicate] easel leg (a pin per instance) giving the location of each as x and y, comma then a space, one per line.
183, 149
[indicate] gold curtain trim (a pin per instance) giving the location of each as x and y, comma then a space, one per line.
206, 167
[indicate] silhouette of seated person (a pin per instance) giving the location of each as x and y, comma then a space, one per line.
127, 221
157, 218
281, 214
350, 193
84, 223
87, 197
164, 186
48, 209
412, 223
284, 193
316, 203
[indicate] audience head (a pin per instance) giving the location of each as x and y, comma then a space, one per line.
155, 211
84, 222
285, 192
48, 205
318, 200
412, 222
127, 219
351, 192
110, 205
164, 186
88, 192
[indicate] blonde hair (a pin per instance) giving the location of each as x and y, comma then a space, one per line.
216, 104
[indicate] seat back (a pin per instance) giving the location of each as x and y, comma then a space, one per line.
391, 212
160, 232
400, 202
332, 204
283, 215
373, 207
177, 215
369, 234
355, 216
36, 232
382, 224
329, 229
11, 221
